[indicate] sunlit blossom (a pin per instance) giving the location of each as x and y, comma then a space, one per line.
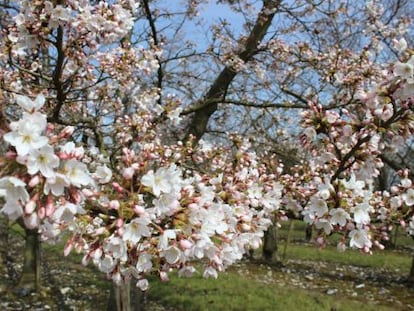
361, 213
359, 239
339, 216
56, 184
26, 133
43, 160
408, 197
318, 206
77, 173
136, 229
103, 174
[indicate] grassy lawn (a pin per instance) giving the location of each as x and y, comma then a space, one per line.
250, 289
234, 292
388, 259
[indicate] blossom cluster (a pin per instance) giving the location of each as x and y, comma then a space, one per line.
339, 193
46, 174
167, 216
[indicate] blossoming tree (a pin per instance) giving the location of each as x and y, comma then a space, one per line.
118, 132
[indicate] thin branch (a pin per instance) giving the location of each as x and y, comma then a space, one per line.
57, 75
154, 35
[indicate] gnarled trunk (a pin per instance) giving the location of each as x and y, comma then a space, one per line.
30, 278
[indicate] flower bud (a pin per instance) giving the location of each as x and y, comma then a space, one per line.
30, 207
85, 260
41, 212
116, 277
32, 221
68, 248
185, 244
34, 181
119, 222
67, 132
10, 155
139, 209
100, 231
50, 208
128, 173
88, 193
163, 276
117, 187
114, 204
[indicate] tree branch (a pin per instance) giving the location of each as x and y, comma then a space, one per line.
57, 75
218, 90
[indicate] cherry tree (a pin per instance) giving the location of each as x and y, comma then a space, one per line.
159, 198
155, 151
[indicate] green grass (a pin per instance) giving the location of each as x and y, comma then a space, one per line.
388, 258
379, 259
233, 292
398, 236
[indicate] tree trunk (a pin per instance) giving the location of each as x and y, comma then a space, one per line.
308, 233
4, 254
269, 243
411, 275
288, 238
4, 238
125, 297
30, 277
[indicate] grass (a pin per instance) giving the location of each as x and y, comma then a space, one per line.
390, 260
234, 292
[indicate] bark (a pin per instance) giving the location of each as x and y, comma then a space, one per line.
30, 278
308, 233
4, 240
270, 243
411, 275
126, 298
288, 238
219, 88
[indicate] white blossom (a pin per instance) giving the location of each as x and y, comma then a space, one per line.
77, 173
135, 229
361, 213
339, 216
359, 239
28, 105
26, 133
408, 197
42, 160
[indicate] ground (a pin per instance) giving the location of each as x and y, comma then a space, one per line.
67, 285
